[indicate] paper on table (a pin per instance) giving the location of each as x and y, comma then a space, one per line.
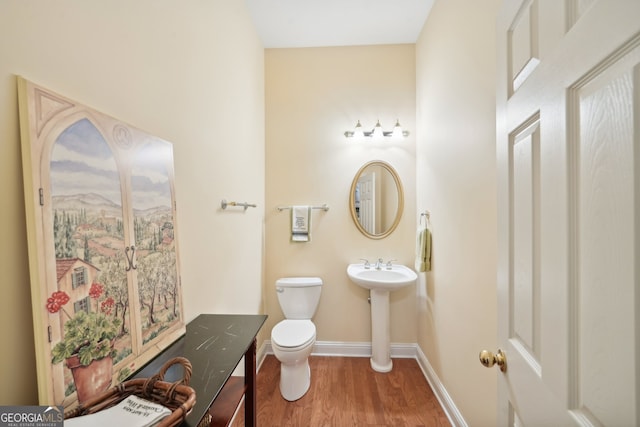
131, 412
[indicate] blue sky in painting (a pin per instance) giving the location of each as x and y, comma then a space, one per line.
82, 162
149, 179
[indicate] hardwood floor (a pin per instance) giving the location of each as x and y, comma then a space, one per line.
345, 391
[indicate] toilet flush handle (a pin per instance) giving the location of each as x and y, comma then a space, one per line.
280, 290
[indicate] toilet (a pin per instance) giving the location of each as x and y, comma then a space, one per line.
292, 339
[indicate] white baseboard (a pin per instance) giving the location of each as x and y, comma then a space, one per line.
349, 349
449, 407
409, 351
261, 353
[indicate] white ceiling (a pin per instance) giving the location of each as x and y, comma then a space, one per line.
315, 23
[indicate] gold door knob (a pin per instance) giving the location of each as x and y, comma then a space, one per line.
489, 359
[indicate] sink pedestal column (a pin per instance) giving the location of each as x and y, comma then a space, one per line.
380, 331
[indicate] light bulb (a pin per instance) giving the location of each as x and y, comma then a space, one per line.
377, 131
397, 131
357, 131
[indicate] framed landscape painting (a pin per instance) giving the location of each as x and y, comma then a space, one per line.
103, 247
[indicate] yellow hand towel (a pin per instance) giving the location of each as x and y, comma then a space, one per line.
423, 250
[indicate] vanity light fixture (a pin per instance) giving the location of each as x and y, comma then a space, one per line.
377, 131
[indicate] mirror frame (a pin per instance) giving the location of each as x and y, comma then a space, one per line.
400, 208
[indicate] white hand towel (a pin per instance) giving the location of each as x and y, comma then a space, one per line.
300, 223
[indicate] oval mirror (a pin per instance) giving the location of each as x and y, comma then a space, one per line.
376, 199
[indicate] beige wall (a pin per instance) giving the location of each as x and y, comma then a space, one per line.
193, 75
313, 95
456, 181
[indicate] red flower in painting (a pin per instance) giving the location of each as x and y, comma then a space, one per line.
107, 305
56, 301
95, 291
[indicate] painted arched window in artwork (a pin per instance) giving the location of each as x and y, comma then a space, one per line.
102, 245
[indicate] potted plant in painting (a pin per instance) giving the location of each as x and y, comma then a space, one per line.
87, 344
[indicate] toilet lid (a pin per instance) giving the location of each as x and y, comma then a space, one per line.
293, 333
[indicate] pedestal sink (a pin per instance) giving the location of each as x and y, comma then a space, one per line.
381, 281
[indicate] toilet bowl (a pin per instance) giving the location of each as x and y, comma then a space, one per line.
292, 342
292, 339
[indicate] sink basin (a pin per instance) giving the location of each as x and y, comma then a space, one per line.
380, 283
384, 279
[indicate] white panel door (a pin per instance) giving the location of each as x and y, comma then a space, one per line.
568, 154
367, 211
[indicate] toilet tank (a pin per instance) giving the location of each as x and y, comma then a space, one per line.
299, 296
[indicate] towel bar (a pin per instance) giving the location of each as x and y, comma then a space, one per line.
245, 205
324, 207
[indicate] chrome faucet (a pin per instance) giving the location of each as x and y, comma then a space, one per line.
379, 264
389, 265
366, 263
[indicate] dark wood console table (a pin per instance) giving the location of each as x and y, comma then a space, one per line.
214, 344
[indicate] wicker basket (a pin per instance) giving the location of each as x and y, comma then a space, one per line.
177, 396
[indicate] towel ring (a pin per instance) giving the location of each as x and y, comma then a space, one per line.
427, 216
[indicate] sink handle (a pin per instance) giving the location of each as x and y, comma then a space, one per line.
389, 265
366, 263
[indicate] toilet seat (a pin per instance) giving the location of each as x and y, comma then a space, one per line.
291, 333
